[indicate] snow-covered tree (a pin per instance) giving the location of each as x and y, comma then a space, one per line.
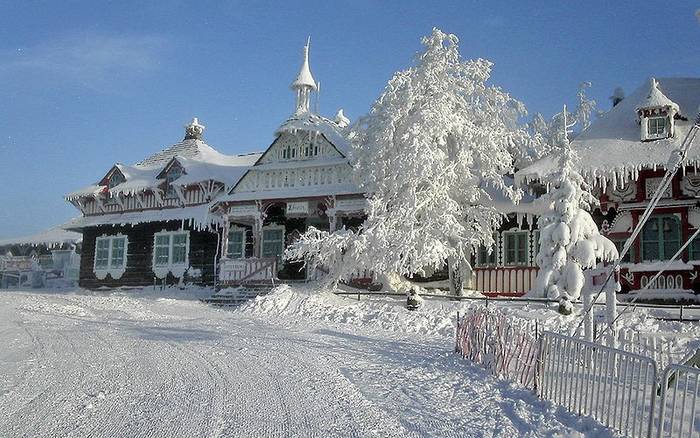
569, 238
546, 134
433, 146
585, 106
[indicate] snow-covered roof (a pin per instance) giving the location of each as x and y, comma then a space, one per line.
656, 98
527, 207
313, 123
189, 148
52, 237
200, 162
611, 149
198, 216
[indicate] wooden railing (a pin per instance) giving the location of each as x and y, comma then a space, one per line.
504, 280
236, 272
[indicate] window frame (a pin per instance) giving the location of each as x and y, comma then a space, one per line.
482, 252
657, 133
242, 231
171, 238
506, 247
263, 240
660, 240
170, 191
619, 243
109, 268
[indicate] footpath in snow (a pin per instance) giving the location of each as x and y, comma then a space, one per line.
77, 363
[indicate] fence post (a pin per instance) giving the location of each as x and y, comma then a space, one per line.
457, 334
588, 315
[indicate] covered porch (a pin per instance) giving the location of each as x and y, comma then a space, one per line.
256, 233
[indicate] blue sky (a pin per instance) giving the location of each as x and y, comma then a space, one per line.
88, 84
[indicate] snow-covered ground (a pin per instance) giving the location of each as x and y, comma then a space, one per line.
77, 363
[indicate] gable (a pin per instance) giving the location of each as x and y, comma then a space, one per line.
174, 163
113, 171
299, 146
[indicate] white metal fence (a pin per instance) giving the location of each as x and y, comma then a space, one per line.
620, 389
679, 413
615, 387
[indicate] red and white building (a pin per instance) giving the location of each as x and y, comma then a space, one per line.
623, 155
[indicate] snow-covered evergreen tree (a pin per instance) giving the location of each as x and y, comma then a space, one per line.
569, 238
434, 141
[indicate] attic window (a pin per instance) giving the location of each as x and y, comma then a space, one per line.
115, 179
657, 127
174, 173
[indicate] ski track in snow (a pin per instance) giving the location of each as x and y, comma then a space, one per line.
113, 365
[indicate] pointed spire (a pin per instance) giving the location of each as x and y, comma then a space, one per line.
304, 83
194, 130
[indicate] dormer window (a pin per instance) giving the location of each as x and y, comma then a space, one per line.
114, 180
656, 114
657, 127
173, 173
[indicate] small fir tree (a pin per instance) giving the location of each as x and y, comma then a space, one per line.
569, 238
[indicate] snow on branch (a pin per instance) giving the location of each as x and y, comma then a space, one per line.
433, 142
569, 238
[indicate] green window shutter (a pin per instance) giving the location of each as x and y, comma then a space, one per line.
661, 237
118, 245
162, 249
102, 253
273, 243
179, 248
236, 241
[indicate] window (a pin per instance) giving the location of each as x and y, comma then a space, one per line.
236, 243
115, 179
110, 254
484, 257
661, 238
273, 242
174, 173
171, 248
515, 248
656, 127
619, 244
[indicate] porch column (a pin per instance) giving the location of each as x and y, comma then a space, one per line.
332, 220
257, 231
224, 237
332, 214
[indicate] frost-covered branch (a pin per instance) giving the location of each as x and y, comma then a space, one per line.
432, 142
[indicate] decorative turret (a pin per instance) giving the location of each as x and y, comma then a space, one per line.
656, 114
304, 83
194, 130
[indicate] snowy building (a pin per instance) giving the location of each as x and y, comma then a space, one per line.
302, 179
149, 222
190, 213
624, 154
